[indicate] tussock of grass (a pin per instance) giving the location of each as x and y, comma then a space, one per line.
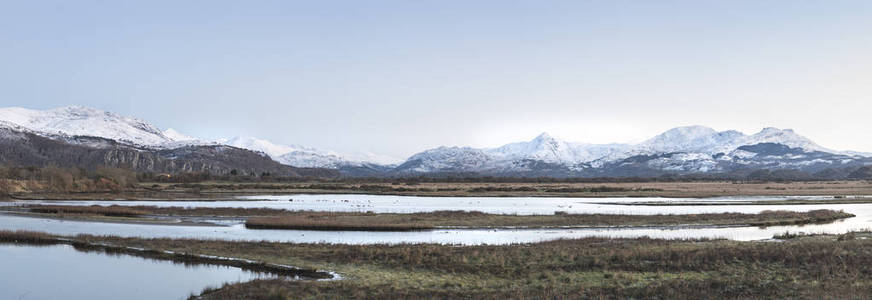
782, 217
26, 237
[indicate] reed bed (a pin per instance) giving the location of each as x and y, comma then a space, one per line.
326, 223
27, 237
110, 211
464, 219
264, 218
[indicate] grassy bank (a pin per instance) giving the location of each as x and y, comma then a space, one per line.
818, 267
462, 219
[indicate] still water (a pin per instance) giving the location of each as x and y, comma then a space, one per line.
61, 272
407, 204
495, 205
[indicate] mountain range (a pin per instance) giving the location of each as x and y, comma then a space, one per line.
678, 151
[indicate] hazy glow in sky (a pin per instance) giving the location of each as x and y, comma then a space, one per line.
397, 77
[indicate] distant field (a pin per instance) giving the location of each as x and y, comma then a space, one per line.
227, 190
617, 189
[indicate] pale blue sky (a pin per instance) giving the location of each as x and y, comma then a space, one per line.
396, 77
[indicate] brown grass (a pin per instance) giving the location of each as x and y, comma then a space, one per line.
817, 268
324, 221
26, 237
463, 219
111, 211
543, 189
264, 218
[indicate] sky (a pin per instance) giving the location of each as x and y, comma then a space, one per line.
398, 77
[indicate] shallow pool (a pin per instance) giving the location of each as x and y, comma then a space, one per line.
62, 272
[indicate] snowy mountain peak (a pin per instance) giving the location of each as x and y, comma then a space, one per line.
446, 159
688, 148
785, 137
306, 157
177, 136
689, 139
83, 121
543, 147
544, 137
684, 134
261, 145
775, 130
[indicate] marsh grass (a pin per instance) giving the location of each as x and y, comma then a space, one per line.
474, 219
640, 268
265, 218
27, 237
540, 187
329, 222
111, 211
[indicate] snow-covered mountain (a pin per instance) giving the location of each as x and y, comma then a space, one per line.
66, 123
681, 150
691, 139
690, 149
260, 145
292, 155
174, 135
549, 149
83, 121
307, 157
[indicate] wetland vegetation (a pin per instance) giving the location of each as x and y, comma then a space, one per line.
263, 218
463, 219
824, 266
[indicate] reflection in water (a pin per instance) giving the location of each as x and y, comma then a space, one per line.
522, 205
61, 272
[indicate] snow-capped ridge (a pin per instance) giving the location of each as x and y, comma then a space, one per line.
307, 157
543, 147
83, 121
67, 123
260, 145
786, 137
177, 136
688, 148
680, 149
